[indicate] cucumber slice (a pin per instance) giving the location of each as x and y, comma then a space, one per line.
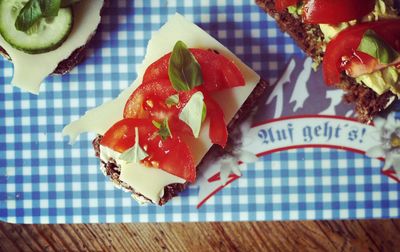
46, 35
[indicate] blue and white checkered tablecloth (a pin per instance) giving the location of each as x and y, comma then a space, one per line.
45, 180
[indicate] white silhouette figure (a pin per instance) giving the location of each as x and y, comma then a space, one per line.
278, 90
300, 92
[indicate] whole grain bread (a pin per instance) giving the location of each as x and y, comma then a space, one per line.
112, 171
309, 38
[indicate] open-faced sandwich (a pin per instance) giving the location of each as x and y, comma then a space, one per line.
44, 37
357, 41
191, 92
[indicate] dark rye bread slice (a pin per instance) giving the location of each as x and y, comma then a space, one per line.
76, 57
310, 39
111, 170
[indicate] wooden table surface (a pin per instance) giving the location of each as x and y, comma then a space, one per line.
366, 235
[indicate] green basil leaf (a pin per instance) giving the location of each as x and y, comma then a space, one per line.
374, 46
66, 3
50, 8
172, 100
134, 154
183, 70
164, 130
193, 113
29, 15
34, 10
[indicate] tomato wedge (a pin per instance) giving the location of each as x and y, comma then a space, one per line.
335, 11
281, 5
218, 72
218, 132
359, 63
121, 136
171, 155
344, 46
148, 102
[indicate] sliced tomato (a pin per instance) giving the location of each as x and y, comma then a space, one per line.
344, 46
158, 69
175, 157
171, 155
148, 102
149, 99
218, 72
281, 5
218, 132
121, 136
335, 11
359, 63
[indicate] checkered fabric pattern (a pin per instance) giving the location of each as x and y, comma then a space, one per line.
45, 180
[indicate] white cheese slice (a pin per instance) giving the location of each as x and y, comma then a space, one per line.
31, 69
137, 176
100, 119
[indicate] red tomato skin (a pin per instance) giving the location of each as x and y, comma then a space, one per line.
175, 158
158, 70
345, 44
281, 5
218, 131
335, 11
121, 136
171, 155
136, 105
218, 72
